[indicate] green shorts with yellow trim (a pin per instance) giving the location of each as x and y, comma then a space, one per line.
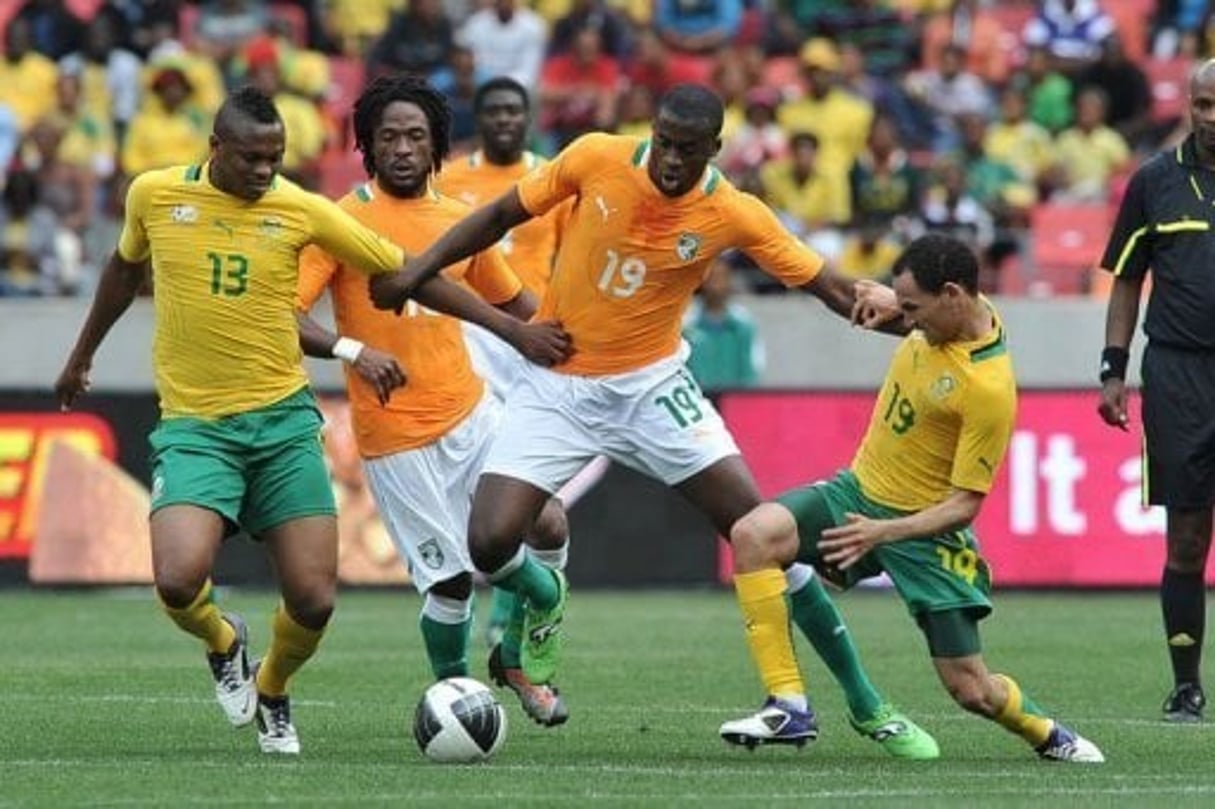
931, 574
257, 469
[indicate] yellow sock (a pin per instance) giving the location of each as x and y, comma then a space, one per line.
1031, 727
290, 647
202, 619
761, 596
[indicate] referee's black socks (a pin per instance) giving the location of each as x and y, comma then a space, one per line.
1182, 600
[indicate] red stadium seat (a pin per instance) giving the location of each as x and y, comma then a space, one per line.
1067, 240
346, 80
1168, 79
341, 171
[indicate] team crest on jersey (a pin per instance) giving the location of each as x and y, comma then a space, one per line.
431, 553
944, 386
688, 246
271, 227
184, 214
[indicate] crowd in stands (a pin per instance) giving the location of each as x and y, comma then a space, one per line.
861, 122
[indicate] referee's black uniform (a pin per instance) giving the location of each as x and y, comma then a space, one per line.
1167, 224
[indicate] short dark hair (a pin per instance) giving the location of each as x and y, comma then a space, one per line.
500, 83
369, 110
246, 102
935, 259
694, 103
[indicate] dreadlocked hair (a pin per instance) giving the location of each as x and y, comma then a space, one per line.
369, 110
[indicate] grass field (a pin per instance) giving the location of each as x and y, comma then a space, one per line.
104, 703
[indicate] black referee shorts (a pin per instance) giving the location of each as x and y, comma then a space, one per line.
1179, 427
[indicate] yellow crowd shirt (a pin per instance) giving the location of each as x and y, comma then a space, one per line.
631, 257
225, 274
942, 422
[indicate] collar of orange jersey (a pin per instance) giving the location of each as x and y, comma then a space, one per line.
528, 159
372, 189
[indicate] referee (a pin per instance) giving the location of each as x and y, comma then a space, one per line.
1165, 224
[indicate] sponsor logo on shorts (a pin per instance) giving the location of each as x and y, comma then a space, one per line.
431, 553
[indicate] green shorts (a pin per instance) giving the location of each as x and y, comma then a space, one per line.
931, 574
256, 469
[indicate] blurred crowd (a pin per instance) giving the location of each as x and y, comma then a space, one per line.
861, 122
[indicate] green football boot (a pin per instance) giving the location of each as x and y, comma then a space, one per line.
898, 735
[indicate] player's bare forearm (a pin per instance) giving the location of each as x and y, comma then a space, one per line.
478, 231
1122, 312
956, 511
116, 289
841, 295
315, 340
522, 306
452, 299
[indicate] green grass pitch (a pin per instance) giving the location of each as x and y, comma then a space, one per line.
104, 703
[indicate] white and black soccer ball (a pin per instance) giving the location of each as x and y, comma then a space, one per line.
459, 721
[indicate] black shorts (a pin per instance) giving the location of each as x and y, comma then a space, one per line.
1179, 427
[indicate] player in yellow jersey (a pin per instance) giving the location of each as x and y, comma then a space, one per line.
423, 445
649, 218
502, 108
238, 440
939, 430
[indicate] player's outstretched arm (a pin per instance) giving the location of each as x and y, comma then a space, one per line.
379, 368
844, 545
544, 343
863, 303
478, 231
119, 284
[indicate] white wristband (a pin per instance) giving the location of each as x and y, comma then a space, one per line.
347, 349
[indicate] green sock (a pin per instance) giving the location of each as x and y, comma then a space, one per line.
512, 638
816, 615
446, 647
501, 605
534, 582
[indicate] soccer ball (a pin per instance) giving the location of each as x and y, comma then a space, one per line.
459, 721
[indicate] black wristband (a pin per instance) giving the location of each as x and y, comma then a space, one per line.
1114, 360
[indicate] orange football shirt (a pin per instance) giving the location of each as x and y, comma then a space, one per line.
631, 257
531, 248
441, 387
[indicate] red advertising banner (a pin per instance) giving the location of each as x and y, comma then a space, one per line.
26, 442
1066, 508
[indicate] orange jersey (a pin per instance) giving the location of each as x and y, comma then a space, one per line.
441, 387
531, 248
631, 257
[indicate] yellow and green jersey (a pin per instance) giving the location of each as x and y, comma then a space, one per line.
225, 273
942, 421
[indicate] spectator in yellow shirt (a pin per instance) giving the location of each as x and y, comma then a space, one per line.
170, 129
839, 119
804, 197
27, 78
1090, 153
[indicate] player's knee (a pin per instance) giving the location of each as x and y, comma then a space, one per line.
178, 588
1187, 553
492, 540
457, 588
311, 605
551, 528
760, 538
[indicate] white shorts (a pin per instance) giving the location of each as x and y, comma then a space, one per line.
654, 420
424, 496
495, 360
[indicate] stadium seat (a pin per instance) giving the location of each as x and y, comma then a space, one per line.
1066, 244
783, 73
295, 20
1167, 79
346, 80
341, 171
